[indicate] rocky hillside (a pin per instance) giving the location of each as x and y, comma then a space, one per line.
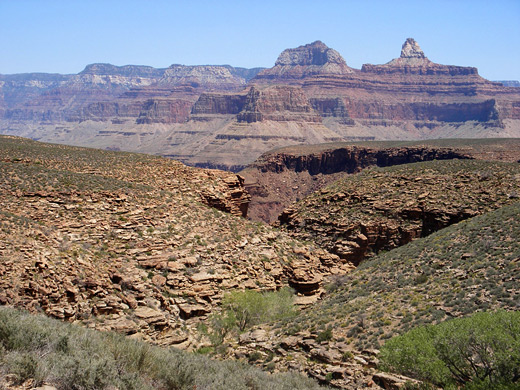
129, 242
220, 116
380, 209
468, 267
147, 247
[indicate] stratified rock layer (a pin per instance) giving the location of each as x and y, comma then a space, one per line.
380, 209
225, 117
127, 242
282, 177
305, 61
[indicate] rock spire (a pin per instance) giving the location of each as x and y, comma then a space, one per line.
411, 49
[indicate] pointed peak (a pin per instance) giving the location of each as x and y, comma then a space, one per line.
411, 49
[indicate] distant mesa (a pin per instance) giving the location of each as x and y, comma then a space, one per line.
509, 83
210, 76
316, 53
307, 60
225, 117
126, 70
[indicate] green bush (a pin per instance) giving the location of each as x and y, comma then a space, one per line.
326, 335
477, 352
252, 307
243, 309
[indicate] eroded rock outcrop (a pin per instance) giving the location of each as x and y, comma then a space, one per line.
231, 197
126, 242
308, 60
279, 103
279, 178
218, 103
164, 111
351, 159
414, 61
381, 209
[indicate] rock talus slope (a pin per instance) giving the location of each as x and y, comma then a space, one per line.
127, 242
468, 267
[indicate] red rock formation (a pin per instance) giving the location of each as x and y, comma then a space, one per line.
352, 159
233, 198
105, 92
215, 103
413, 61
206, 76
165, 111
279, 103
309, 96
409, 88
355, 218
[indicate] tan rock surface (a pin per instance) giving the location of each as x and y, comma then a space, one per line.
127, 242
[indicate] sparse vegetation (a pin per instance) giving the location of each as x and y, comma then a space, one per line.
71, 357
126, 244
400, 203
468, 270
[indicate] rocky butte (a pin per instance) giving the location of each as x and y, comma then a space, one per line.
225, 117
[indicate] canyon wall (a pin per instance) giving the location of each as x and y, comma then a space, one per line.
282, 177
221, 116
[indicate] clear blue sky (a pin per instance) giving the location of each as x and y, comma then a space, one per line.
62, 36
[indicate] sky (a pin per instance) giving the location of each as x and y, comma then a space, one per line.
63, 36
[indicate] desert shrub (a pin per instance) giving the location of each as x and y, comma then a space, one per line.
22, 365
221, 325
253, 357
243, 309
73, 358
477, 352
326, 335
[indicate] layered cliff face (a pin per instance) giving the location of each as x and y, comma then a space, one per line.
220, 116
129, 71
410, 88
410, 97
219, 103
209, 77
381, 209
279, 103
279, 178
104, 92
